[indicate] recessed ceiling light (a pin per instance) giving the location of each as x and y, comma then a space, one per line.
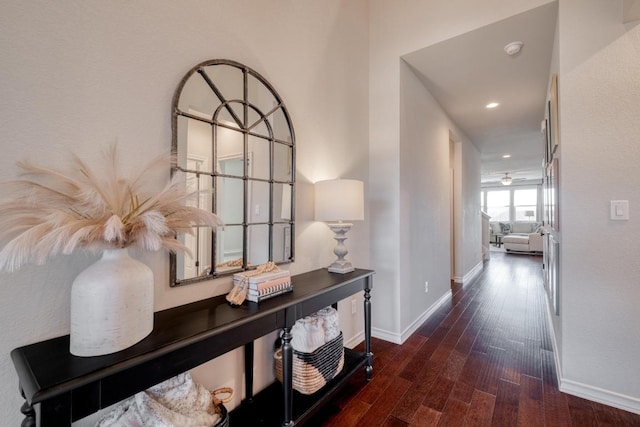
492, 105
506, 156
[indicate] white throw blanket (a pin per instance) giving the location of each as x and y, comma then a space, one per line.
177, 402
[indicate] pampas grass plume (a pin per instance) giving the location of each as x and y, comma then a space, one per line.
53, 212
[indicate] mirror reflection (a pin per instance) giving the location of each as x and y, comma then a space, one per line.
234, 141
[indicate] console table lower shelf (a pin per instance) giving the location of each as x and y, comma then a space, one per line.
265, 409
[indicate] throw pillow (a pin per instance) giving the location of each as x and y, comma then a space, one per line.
505, 228
521, 227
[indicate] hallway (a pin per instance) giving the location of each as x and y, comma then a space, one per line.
485, 359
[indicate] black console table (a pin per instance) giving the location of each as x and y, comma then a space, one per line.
60, 388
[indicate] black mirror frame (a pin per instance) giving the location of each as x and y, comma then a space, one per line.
245, 128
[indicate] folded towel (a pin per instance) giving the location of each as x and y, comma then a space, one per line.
331, 323
308, 334
315, 330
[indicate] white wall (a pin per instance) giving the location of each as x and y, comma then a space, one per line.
77, 76
471, 225
425, 215
599, 65
396, 31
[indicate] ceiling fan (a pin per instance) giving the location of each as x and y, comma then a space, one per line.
507, 178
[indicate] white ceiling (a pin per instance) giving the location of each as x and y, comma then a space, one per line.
467, 72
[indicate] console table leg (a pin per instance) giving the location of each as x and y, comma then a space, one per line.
287, 376
29, 415
28, 412
367, 331
248, 371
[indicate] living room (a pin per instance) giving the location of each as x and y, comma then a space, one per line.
515, 224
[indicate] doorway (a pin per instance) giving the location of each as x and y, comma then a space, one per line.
455, 208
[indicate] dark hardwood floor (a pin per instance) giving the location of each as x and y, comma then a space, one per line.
485, 359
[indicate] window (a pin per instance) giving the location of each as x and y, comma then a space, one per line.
498, 204
519, 204
525, 203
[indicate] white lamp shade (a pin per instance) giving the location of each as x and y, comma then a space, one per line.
339, 200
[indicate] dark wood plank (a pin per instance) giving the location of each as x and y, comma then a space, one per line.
472, 368
453, 366
407, 407
394, 422
505, 412
608, 416
439, 394
556, 409
415, 359
454, 413
581, 412
531, 363
490, 374
512, 364
462, 391
348, 416
379, 410
425, 417
373, 389
531, 406
480, 411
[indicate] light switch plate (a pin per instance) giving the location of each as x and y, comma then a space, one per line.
619, 210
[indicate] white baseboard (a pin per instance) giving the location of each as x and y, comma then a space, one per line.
477, 269
354, 341
554, 342
385, 335
399, 338
467, 278
596, 394
606, 397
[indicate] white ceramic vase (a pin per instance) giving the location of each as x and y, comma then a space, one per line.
111, 305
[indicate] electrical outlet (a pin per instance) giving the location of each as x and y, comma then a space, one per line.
426, 287
354, 307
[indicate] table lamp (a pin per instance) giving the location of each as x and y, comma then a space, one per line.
339, 200
529, 214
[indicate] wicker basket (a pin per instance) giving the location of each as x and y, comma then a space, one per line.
311, 371
219, 405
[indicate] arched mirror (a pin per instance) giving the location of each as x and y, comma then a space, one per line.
234, 140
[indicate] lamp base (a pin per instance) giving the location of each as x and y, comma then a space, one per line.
341, 266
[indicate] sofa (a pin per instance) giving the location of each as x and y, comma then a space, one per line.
516, 242
517, 236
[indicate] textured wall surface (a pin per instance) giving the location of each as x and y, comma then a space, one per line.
600, 130
77, 76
